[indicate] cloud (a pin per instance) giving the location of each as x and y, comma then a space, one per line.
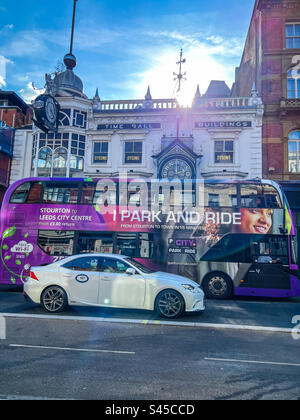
29, 93
3, 63
208, 57
26, 44
2, 82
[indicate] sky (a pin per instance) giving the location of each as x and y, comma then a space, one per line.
122, 46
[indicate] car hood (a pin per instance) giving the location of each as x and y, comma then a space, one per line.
163, 276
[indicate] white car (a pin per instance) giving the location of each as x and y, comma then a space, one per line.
113, 281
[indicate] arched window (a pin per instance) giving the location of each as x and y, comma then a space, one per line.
76, 164
294, 151
293, 84
60, 157
44, 162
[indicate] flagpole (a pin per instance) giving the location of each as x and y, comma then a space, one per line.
73, 25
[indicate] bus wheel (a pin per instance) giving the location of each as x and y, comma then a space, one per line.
217, 286
169, 304
54, 299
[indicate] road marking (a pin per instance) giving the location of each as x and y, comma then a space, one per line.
215, 359
70, 349
255, 328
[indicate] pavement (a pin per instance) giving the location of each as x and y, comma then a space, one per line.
237, 313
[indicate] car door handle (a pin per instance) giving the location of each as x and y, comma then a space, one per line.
106, 278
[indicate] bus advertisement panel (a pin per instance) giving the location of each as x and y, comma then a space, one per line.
231, 237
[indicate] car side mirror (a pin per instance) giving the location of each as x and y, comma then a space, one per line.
130, 271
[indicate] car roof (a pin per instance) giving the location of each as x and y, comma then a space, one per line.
96, 254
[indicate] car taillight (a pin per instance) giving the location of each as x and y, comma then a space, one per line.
33, 276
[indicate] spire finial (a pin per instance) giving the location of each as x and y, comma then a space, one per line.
70, 59
180, 76
148, 96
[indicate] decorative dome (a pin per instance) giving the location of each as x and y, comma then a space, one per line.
68, 80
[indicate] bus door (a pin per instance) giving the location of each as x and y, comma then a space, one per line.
270, 267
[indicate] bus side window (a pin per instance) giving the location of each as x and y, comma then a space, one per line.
55, 192
252, 196
87, 194
271, 197
21, 193
220, 195
34, 195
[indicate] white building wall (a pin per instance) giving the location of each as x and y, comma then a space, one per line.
21, 162
247, 141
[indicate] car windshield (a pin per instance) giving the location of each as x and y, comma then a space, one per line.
139, 266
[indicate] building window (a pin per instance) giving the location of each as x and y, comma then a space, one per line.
79, 119
133, 152
224, 151
44, 162
60, 158
293, 84
76, 164
293, 35
294, 152
64, 117
100, 152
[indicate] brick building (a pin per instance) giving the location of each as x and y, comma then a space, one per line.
271, 60
14, 113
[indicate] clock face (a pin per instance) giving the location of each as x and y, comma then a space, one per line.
51, 110
176, 169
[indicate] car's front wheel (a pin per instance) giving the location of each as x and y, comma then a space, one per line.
54, 299
169, 304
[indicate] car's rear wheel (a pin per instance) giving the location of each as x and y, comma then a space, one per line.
169, 304
217, 286
54, 299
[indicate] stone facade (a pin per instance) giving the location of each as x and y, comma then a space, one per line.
215, 138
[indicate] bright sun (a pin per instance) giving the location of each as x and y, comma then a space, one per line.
199, 68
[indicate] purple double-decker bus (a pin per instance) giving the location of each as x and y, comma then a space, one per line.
232, 237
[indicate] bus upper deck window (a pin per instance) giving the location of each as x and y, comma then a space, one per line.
105, 197
271, 197
252, 196
220, 195
87, 194
21, 193
34, 195
56, 193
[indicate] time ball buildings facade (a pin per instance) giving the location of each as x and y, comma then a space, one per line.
219, 136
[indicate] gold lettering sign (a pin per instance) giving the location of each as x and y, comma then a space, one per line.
133, 158
100, 158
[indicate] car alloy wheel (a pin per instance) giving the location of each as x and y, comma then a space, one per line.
169, 304
54, 299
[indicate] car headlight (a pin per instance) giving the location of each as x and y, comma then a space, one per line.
188, 287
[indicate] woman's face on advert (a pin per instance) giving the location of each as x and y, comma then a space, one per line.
256, 220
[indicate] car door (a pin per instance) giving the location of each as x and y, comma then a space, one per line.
81, 278
117, 288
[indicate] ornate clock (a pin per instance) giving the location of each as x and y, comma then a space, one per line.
176, 169
46, 110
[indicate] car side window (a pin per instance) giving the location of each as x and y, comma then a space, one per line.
110, 265
83, 264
